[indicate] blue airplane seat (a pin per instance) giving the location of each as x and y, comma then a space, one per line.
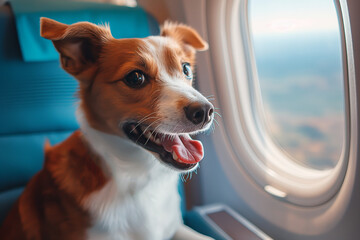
36, 102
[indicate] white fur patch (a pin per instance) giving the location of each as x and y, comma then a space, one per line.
174, 119
174, 89
150, 213
141, 201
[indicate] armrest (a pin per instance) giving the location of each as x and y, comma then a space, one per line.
196, 221
222, 223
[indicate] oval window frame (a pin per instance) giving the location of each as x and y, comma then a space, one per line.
283, 179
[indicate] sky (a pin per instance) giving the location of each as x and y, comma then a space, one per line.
297, 49
286, 16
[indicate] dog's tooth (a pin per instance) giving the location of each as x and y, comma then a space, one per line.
147, 134
157, 141
175, 156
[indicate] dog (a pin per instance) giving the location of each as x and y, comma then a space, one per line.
117, 177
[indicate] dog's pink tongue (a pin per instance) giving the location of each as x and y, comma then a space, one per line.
188, 150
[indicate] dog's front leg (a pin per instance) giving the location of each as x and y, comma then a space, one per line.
186, 233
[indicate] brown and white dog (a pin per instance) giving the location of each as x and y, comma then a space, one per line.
116, 177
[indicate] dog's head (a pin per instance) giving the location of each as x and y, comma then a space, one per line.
140, 89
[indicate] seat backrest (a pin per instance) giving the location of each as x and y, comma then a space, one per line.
37, 102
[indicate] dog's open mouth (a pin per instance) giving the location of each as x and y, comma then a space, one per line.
178, 151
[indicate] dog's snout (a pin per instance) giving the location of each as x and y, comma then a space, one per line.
199, 112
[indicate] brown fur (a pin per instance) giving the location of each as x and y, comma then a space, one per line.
184, 34
106, 100
172, 60
50, 206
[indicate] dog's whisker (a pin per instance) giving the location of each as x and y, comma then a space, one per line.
134, 128
155, 130
147, 140
182, 178
216, 122
172, 137
215, 112
187, 176
151, 124
147, 117
146, 129
150, 132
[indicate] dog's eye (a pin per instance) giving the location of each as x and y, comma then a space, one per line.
187, 71
135, 79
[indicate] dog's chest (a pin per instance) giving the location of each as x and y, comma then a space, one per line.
153, 212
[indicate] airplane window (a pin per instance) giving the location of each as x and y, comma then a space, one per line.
297, 50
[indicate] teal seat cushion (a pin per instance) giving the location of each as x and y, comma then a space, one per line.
34, 97
7, 199
125, 22
22, 156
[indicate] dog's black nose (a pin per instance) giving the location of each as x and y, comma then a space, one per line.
198, 112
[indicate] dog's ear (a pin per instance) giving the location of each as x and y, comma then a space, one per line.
79, 44
184, 34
